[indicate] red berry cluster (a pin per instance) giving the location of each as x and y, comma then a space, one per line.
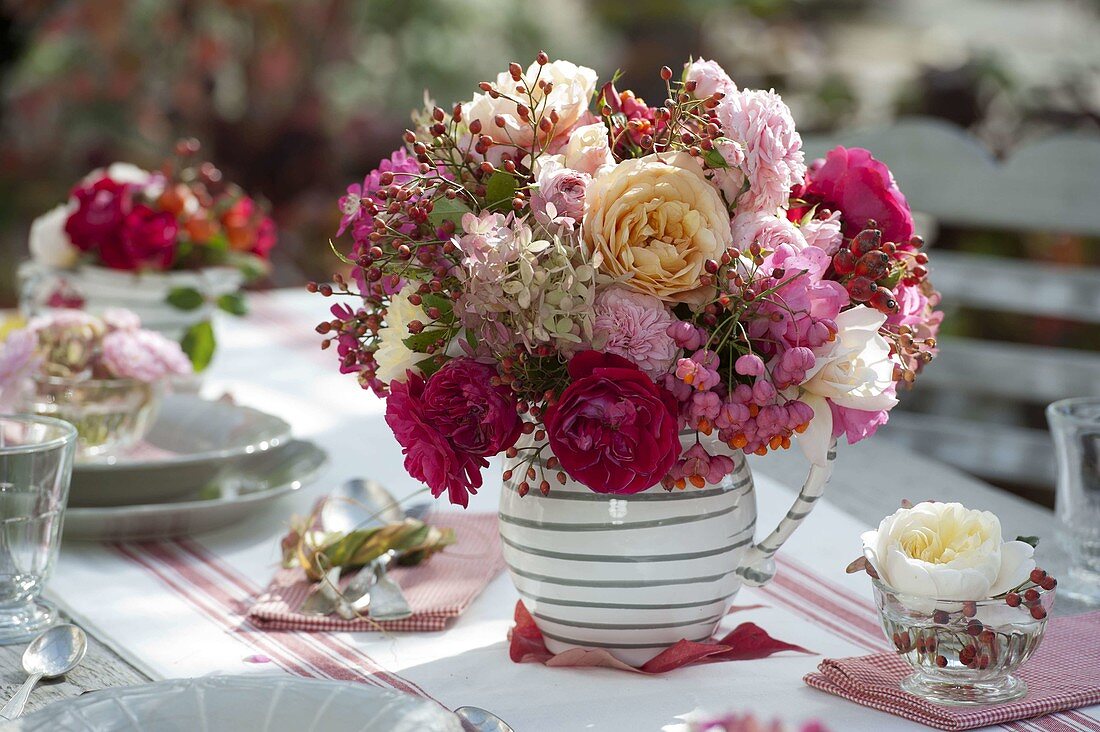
1031, 598
869, 267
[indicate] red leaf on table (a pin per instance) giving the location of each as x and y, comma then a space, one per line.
526, 643
748, 641
682, 653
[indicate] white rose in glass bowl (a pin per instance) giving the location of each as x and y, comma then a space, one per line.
49, 244
946, 551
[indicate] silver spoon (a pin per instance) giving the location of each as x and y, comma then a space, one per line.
54, 653
476, 719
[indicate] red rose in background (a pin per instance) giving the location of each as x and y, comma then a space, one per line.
101, 209
613, 429
853, 182
448, 425
148, 238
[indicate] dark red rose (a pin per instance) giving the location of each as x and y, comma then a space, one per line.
148, 240
102, 206
861, 188
613, 429
448, 425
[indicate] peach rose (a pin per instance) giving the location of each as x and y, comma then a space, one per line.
655, 221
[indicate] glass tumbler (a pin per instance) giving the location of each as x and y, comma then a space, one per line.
36, 462
1075, 424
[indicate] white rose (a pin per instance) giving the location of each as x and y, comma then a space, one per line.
854, 371
588, 150
572, 88
393, 357
128, 173
947, 552
49, 244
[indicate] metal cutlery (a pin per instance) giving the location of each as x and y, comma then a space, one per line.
54, 653
476, 719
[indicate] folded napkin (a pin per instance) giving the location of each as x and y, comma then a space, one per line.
438, 590
1063, 674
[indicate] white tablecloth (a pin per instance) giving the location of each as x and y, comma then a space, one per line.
177, 609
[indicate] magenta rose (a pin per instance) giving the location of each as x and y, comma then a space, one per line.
148, 239
101, 208
861, 188
449, 424
613, 429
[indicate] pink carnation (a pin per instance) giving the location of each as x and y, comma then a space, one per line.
142, 355
767, 230
774, 161
635, 326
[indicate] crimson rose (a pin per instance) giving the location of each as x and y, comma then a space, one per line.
148, 238
861, 188
101, 208
613, 429
448, 425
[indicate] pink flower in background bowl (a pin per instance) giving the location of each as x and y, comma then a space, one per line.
635, 326
142, 355
450, 423
102, 206
19, 359
851, 181
148, 239
613, 429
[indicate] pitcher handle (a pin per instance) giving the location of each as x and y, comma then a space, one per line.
758, 566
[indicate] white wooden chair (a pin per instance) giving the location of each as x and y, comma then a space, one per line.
971, 396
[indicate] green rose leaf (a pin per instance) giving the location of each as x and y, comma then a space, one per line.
444, 209
233, 303
419, 342
185, 298
500, 190
714, 159
1033, 540
199, 344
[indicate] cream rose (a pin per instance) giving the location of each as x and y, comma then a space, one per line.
588, 150
49, 244
947, 552
572, 88
393, 357
655, 221
854, 370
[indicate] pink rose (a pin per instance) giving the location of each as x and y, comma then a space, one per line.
101, 207
142, 355
858, 424
861, 188
448, 425
564, 189
709, 77
613, 429
767, 230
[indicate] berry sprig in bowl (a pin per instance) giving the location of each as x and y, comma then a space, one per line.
103, 375
963, 607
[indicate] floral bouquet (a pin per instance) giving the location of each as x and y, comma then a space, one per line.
191, 236
558, 259
103, 375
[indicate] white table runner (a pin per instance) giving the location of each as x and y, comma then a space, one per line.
178, 609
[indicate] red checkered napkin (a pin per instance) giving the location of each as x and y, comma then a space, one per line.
438, 591
1063, 674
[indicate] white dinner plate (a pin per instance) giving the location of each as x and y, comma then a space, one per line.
238, 493
191, 442
238, 703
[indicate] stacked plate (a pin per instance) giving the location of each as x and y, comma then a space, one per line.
202, 466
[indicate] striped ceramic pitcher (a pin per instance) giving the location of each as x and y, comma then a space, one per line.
634, 574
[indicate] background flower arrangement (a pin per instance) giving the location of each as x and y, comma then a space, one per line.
603, 279
181, 218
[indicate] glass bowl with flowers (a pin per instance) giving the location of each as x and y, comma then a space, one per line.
174, 245
103, 375
625, 301
962, 606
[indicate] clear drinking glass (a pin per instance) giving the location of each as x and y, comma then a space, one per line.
36, 462
1075, 424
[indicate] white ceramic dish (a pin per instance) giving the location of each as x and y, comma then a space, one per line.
252, 483
190, 444
237, 703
